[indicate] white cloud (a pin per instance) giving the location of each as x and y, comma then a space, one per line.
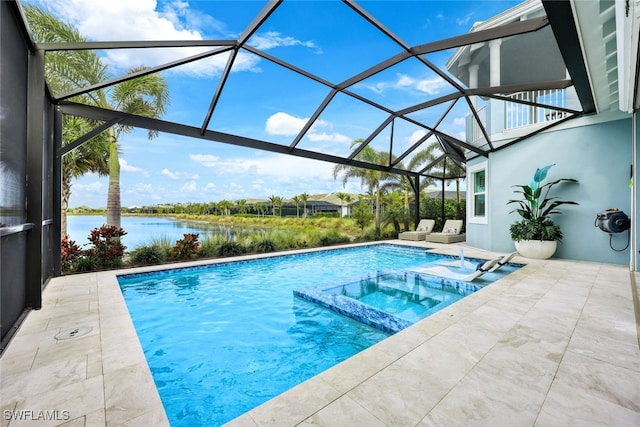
273, 39
284, 124
464, 20
91, 187
189, 187
416, 135
144, 187
431, 86
328, 137
205, 159
225, 167
287, 125
126, 167
179, 175
459, 121
404, 80
278, 167
378, 88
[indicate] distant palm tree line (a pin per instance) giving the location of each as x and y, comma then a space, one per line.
226, 207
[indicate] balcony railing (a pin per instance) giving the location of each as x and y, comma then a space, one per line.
519, 115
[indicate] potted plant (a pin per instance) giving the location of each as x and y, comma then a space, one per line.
536, 235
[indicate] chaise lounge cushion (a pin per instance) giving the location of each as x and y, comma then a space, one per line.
425, 226
451, 233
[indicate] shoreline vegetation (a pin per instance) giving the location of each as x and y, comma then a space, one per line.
346, 225
250, 234
245, 233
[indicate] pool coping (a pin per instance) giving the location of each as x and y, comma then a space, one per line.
103, 377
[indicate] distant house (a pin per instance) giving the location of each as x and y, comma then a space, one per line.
318, 204
448, 195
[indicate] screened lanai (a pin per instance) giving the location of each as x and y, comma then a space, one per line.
529, 69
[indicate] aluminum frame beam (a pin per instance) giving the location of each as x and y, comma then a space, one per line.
144, 72
564, 29
101, 114
36, 101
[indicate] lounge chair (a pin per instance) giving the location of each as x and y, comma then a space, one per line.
505, 259
425, 226
447, 273
451, 233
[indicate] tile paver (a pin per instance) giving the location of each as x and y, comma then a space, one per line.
555, 342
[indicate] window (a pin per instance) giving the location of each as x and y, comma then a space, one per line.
478, 194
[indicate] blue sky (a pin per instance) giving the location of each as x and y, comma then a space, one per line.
261, 100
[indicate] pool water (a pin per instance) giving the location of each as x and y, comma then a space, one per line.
390, 301
408, 296
223, 338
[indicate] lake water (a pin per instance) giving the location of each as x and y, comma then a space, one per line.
141, 230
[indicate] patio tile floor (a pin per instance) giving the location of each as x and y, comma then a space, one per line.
554, 343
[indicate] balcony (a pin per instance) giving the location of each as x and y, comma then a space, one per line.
504, 119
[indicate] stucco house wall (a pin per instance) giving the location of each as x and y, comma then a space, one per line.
597, 154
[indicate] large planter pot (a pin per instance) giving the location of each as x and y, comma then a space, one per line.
538, 249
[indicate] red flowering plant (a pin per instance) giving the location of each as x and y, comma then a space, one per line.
69, 253
107, 249
187, 247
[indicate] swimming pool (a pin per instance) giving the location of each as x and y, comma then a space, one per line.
221, 339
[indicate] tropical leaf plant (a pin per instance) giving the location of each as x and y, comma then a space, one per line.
535, 206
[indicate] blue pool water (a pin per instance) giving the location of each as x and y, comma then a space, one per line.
224, 338
390, 301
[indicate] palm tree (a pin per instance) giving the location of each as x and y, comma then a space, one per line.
242, 206
449, 171
66, 71
394, 210
277, 202
403, 183
90, 157
143, 96
296, 201
369, 177
71, 70
225, 206
304, 197
260, 208
344, 198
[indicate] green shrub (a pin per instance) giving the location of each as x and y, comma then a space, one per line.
85, 264
148, 255
333, 237
207, 249
231, 249
162, 242
431, 207
327, 215
265, 245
